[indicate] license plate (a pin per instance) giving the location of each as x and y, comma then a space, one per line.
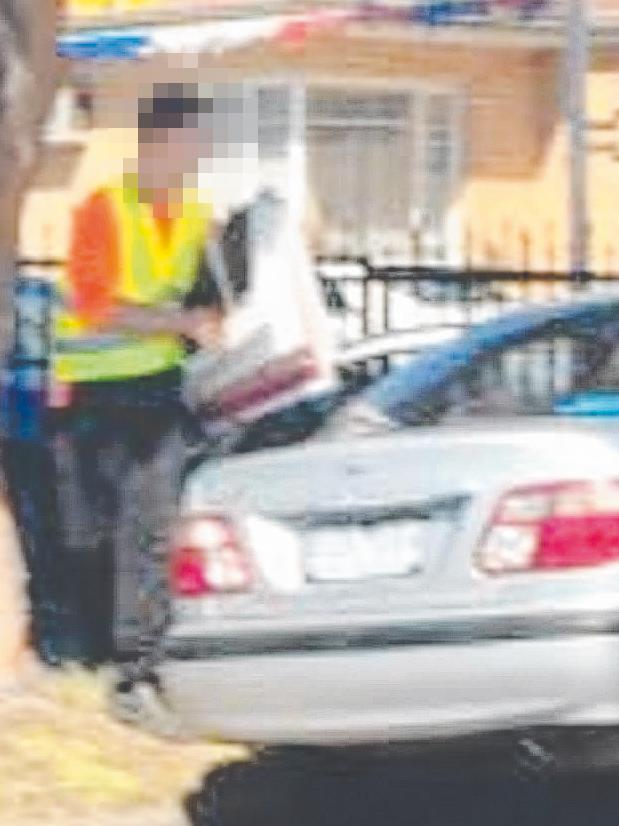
356, 552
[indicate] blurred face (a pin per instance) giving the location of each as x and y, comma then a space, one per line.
168, 158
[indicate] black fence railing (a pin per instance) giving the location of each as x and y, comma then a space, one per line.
383, 313
369, 301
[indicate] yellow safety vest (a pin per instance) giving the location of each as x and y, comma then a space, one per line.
152, 273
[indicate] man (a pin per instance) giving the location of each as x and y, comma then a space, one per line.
135, 266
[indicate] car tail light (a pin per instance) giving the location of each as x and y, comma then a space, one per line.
208, 557
551, 527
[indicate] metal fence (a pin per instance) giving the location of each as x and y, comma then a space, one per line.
386, 314
369, 300
373, 301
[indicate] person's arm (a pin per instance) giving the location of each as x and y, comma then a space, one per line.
93, 266
200, 324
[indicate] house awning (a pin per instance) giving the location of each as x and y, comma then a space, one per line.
220, 35
131, 42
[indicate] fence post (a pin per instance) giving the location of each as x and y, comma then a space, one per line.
386, 305
506, 237
525, 245
468, 248
466, 294
610, 256
365, 308
550, 248
415, 238
525, 242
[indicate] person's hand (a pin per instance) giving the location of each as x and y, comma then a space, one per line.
204, 327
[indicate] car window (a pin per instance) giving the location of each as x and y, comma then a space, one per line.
522, 380
528, 378
606, 374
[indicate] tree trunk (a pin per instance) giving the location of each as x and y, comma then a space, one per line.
28, 72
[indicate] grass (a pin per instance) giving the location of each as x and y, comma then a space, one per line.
63, 760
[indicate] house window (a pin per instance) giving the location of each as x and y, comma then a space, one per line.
360, 169
439, 139
380, 166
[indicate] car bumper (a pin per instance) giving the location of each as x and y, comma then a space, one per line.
348, 695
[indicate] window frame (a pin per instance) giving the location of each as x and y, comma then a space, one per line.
422, 90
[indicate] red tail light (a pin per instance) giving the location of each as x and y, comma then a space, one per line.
208, 558
554, 526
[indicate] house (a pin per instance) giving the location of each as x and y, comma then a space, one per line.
434, 132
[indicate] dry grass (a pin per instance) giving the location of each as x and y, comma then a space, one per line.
64, 761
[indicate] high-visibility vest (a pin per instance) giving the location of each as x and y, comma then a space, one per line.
153, 272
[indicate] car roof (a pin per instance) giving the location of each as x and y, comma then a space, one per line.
412, 384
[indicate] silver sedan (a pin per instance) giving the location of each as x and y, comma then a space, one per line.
383, 582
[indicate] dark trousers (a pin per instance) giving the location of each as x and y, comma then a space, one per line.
119, 455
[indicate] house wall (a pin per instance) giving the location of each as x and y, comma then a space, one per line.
511, 204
